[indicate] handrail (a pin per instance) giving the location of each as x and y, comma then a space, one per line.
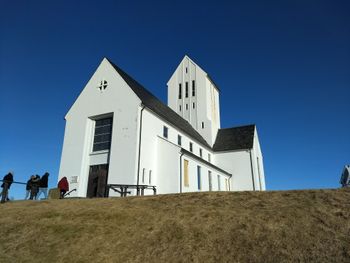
14, 182
69, 192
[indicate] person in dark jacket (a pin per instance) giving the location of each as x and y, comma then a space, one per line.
43, 185
28, 188
6, 184
34, 187
63, 186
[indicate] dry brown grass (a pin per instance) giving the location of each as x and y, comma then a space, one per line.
290, 226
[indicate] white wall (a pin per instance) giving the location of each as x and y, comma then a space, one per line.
168, 167
120, 101
237, 163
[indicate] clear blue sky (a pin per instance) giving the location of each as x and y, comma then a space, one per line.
283, 65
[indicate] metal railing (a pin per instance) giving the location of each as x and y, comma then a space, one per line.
123, 189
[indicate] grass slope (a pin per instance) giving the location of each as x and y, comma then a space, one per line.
289, 226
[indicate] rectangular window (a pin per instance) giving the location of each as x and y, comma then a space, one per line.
150, 177
186, 106
165, 131
186, 70
186, 179
193, 88
179, 107
193, 105
210, 181
180, 91
209, 157
179, 140
219, 183
186, 91
191, 147
202, 125
103, 134
200, 152
199, 177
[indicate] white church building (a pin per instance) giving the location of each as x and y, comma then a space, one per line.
120, 139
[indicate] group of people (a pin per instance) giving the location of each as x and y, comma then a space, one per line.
35, 186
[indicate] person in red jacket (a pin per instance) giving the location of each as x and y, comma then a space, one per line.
63, 186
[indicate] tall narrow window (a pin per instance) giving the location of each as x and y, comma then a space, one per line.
209, 157
186, 90
210, 181
150, 177
193, 88
179, 107
191, 147
186, 179
202, 125
199, 177
193, 105
180, 91
186, 70
219, 183
103, 134
165, 131
179, 138
200, 152
186, 106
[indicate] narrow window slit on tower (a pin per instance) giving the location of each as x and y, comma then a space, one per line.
186, 106
193, 105
186, 94
180, 91
202, 125
193, 88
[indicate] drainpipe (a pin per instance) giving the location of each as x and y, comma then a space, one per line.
139, 159
181, 172
251, 166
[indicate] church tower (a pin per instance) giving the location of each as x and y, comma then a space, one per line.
195, 97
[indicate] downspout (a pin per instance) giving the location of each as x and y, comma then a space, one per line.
251, 166
139, 159
181, 172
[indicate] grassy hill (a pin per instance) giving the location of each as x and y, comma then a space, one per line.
289, 226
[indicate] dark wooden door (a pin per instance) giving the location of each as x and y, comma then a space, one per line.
97, 181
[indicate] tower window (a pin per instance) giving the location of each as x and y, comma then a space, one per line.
202, 125
180, 91
186, 106
186, 94
191, 147
193, 88
179, 107
103, 134
186, 70
193, 105
200, 152
165, 132
179, 140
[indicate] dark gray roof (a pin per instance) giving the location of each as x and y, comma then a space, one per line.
158, 107
236, 138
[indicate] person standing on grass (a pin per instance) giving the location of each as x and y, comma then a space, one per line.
43, 185
6, 184
63, 186
28, 188
34, 187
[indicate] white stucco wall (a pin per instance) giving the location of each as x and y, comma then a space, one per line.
117, 100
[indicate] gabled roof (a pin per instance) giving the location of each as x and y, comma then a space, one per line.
236, 138
158, 107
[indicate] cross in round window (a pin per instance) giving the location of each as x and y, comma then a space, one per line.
103, 85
